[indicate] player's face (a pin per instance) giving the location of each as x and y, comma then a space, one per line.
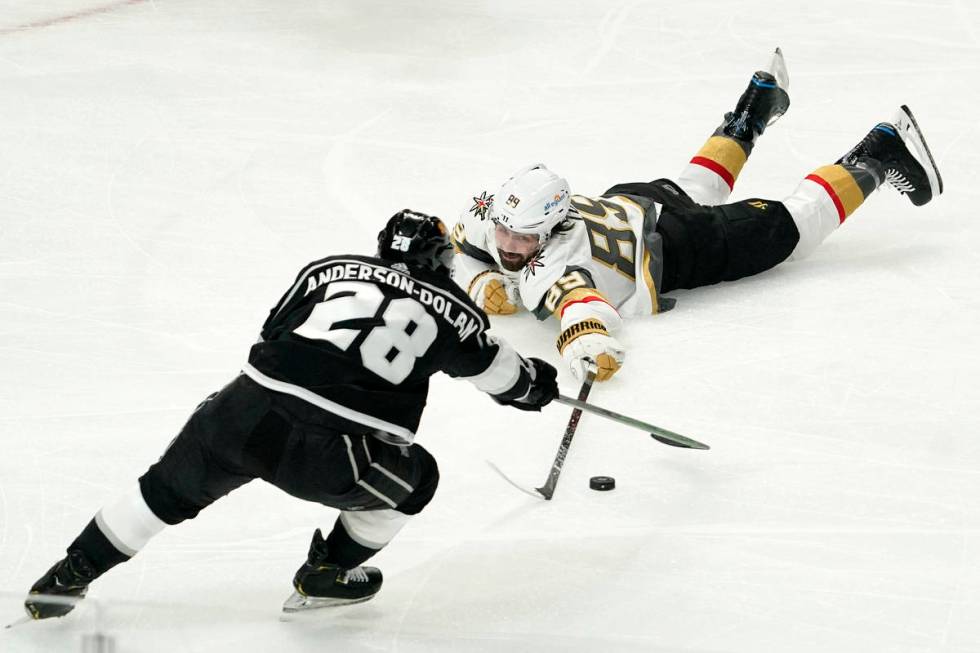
515, 249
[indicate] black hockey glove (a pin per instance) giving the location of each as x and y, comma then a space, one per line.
543, 386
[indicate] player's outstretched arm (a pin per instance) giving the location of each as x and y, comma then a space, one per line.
541, 382
586, 315
584, 339
494, 367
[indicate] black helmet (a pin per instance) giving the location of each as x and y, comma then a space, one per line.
417, 240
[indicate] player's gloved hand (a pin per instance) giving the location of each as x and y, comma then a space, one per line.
495, 293
543, 387
588, 342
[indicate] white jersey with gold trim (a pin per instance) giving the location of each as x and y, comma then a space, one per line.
603, 252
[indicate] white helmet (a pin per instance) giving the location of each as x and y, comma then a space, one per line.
533, 201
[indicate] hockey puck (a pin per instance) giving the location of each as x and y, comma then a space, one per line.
602, 483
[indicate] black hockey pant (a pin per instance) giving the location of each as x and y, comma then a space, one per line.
704, 245
246, 431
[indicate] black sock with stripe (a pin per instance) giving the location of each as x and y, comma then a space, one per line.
342, 550
97, 549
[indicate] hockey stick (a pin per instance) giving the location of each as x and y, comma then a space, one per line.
533, 493
548, 489
657, 433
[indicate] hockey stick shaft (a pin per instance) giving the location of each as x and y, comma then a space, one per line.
657, 433
548, 489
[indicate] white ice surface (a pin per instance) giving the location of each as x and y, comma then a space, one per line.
167, 166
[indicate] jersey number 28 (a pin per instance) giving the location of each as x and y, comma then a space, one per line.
397, 336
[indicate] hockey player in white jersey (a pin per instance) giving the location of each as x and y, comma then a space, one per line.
589, 262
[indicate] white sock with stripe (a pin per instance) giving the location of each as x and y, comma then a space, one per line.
129, 523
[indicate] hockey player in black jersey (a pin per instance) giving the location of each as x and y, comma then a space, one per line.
326, 409
591, 261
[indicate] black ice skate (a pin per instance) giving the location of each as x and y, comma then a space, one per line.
762, 103
320, 584
914, 174
68, 578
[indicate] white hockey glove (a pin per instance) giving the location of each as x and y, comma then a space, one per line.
588, 342
495, 293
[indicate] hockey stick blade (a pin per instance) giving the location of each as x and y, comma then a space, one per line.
657, 433
674, 443
548, 489
533, 493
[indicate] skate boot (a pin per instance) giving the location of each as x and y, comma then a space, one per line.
762, 103
885, 153
68, 578
320, 584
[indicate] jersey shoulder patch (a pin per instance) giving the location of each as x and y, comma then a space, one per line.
482, 203
469, 236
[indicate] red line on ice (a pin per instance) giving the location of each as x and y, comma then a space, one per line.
57, 20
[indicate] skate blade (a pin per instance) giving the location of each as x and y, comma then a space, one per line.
23, 620
777, 68
298, 604
909, 130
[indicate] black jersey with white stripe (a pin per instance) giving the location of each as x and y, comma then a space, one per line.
359, 337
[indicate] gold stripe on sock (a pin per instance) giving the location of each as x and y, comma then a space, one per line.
844, 185
726, 152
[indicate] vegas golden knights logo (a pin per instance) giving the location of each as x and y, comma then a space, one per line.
762, 206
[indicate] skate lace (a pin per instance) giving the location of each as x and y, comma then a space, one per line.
899, 181
861, 149
356, 575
